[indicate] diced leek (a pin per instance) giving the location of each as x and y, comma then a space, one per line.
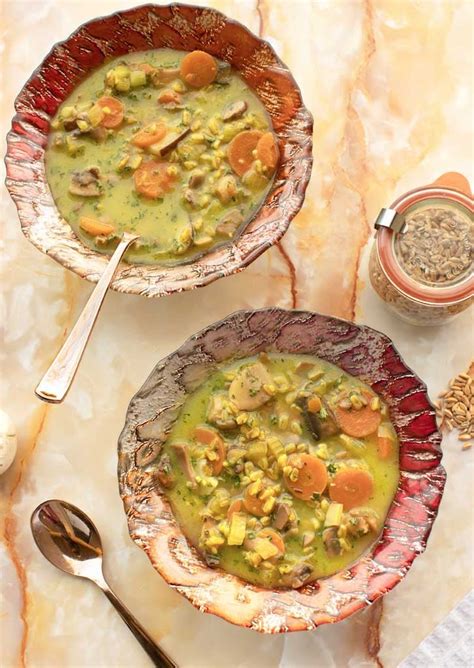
121, 71
68, 112
95, 115
265, 548
237, 529
137, 78
333, 515
135, 161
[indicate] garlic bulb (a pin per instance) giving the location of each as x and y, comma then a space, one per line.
7, 442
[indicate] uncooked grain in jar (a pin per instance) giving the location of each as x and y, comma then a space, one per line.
437, 247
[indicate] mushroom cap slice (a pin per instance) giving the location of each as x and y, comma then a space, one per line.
246, 390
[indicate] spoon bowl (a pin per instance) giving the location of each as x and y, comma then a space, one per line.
67, 537
69, 540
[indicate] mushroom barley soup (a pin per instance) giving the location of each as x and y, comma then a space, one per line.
170, 145
281, 469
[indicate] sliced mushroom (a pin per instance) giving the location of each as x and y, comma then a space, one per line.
218, 412
226, 188
282, 516
229, 223
224, 72
164, 75
361, 521
247, 389
212, 560
234, 110
164, 472
70, 124
196, 178
319, 427
169, 142
99, 134
86, 183
299, 575
191, 197
182, 453
308, 538
331, 541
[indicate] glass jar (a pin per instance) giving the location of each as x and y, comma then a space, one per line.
421, 262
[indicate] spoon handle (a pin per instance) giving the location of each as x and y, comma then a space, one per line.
157, 655
57, 380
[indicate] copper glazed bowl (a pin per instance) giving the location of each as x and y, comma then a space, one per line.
359, 350
181, 27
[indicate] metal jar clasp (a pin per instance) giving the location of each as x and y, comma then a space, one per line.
391, 219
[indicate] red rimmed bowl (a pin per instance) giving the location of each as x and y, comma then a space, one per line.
180, 27
359, 350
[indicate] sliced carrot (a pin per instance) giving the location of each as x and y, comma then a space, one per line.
358, 423
210, 437
253, 504
152, 179
235, 507
384, 447
267, 150
146, 67
351, 487
169, 97
266, 535
150, 134
205, 435
312, 476
274, 537
240, 150
113, 111
314, 404
95, 227
198, 69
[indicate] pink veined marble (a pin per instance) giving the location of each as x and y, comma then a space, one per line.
359, 350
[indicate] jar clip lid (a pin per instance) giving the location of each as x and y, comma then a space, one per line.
390, 218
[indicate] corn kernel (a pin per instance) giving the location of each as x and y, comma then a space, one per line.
197, 138
375, 404
282, 459
296, 427
189, 164
283, 422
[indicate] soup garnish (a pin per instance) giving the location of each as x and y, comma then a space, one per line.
170, 145
281, 468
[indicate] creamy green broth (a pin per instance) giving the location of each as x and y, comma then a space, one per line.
184, 221
266, 442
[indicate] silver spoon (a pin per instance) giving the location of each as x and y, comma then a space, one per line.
70, 541
57, 380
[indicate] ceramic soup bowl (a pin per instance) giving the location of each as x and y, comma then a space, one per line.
179, 27
358, 350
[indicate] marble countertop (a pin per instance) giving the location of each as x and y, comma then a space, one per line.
388, 84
